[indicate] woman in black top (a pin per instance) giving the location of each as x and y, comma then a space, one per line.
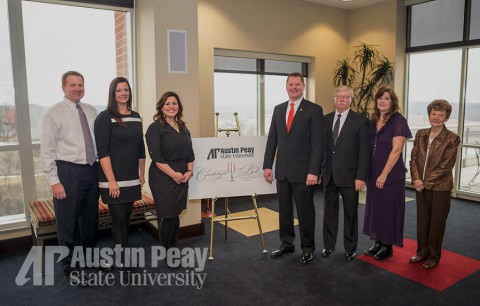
121, 150
170, 148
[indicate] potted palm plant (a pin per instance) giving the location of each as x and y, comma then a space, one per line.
365, 72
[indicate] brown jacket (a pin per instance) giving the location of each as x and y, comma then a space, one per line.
442, 157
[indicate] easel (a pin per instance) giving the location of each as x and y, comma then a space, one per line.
215, 198
208, 213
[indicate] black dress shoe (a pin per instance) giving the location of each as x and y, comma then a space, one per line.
306, 258
374, 249
349, 256
281, 251
385, 252
326, 252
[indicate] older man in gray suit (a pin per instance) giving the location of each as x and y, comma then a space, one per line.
344, 172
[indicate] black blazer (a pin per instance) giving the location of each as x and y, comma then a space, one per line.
299, 152
348, 160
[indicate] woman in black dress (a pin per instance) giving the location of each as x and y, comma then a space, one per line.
121, 150
170, 148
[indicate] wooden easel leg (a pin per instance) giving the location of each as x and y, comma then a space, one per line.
254, 201
207, 213
212, 220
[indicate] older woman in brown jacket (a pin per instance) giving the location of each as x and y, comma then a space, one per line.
432, 160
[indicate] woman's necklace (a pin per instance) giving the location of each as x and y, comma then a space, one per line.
175, 126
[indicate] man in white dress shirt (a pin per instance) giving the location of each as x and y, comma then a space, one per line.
69, 162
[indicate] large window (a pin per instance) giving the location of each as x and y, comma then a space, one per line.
437, 22
236, 93
469, 180
251, 87
11, 200
444, 56
47, 37
275, 92
471, 125
432, 75
46, 41
475, 22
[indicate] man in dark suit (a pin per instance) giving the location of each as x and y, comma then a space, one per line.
344, 171
297, 136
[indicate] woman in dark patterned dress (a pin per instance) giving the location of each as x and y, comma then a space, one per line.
121, 150
170, 148
385, 207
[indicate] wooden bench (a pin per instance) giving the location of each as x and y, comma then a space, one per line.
42, 219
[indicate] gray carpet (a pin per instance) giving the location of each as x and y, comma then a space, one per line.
241, 275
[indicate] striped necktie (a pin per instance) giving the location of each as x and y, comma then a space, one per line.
336, 129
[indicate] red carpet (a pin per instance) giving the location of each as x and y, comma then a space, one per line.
452, 267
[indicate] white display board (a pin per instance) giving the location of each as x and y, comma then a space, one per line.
229, 167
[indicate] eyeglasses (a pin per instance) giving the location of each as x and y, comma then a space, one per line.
342, 97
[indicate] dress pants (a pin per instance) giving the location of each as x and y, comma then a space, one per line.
331, 216
77, 214
432, 213
303, 197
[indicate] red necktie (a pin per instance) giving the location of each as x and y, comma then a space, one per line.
290, 116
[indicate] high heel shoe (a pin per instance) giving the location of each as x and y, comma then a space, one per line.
374, 249
385, 252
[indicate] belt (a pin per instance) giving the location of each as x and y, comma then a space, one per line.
62, 162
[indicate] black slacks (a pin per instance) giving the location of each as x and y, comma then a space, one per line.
303, 197
331, 216
77, 215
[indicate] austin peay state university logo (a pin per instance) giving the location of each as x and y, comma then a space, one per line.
213, 153
192, 260
240, 152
